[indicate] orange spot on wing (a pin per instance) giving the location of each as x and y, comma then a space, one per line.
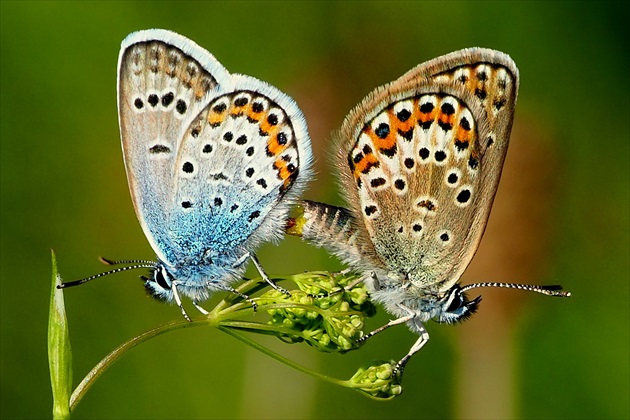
266, 127
464, 135
200, 90
367, 162
382, 144
424, 117
237, 111
253, 115
287, 172
396, 124
447, 119
199, 93
282, 167
273, 145
215, 118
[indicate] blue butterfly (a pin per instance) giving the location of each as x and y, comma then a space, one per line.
214, 162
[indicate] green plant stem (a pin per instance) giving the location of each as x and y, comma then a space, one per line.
211, 320
108, 360
282, 359
217, 319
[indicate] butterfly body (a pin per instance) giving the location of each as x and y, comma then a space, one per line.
214, 161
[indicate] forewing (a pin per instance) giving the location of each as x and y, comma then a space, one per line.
164, 81
421, 160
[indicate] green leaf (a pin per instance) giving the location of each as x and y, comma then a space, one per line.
59, 351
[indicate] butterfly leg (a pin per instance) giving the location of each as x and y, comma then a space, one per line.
363, 279
243, 296
340, 289
263, 274
401, 320
241, 260
343, 272
199, 308
424, 338
178, 301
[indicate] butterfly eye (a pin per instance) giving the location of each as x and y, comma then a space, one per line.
456, 302
457, 307
160, 278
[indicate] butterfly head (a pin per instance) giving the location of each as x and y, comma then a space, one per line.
455, 306
448, 307
196, 281
160, 283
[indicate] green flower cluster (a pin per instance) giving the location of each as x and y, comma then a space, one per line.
377, 381
321, 312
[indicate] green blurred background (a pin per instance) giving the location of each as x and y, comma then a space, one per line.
560, 216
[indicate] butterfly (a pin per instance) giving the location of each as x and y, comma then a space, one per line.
419, 161
214, 162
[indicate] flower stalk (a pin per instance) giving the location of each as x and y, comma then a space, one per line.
319, 311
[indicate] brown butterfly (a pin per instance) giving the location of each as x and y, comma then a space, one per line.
420, 160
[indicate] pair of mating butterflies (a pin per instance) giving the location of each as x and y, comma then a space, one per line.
216, 160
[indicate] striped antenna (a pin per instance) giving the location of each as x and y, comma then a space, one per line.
118, 262
554, 290
137, 264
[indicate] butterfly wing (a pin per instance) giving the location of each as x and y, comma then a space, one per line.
164, 80
242, 162
420, 161
178, 108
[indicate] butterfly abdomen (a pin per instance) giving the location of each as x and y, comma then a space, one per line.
332, 228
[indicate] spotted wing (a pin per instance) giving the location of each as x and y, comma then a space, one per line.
242, 162
189, 183
164, 81
421, 158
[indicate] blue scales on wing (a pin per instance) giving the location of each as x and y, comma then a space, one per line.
165, 80
238, 158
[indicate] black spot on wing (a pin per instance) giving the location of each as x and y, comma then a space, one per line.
255, 214
369, 210
181, 106
159, 148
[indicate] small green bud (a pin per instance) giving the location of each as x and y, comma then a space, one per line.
377, 381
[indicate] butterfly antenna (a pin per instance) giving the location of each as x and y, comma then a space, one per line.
107, 261
554, 290
148, 264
